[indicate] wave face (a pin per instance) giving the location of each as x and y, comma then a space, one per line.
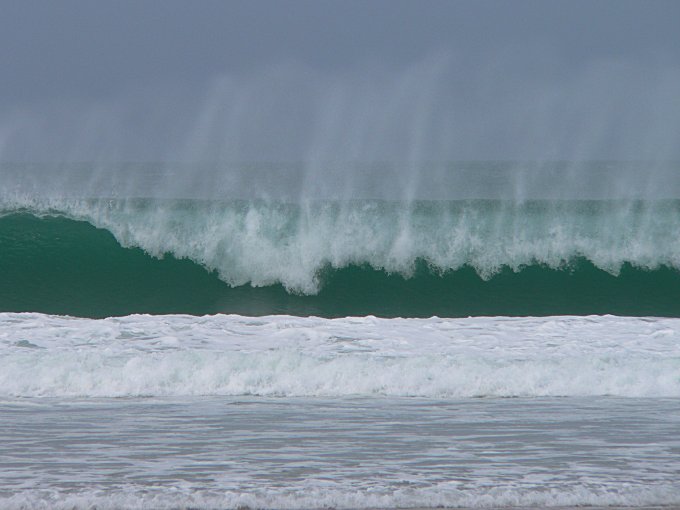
177, 355
336, 258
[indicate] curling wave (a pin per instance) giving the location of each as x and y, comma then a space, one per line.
449, 258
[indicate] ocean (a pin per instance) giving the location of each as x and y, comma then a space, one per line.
492, 335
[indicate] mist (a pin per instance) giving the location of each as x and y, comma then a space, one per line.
344, 109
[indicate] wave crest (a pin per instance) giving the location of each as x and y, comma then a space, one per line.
265, 243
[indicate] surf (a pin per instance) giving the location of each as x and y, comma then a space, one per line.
98, 258
287, 356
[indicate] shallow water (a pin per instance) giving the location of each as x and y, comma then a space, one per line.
225, 452
289, 412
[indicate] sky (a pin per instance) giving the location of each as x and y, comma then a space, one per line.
139, 79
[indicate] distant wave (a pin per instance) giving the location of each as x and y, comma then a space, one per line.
264, 243
457, 258
178, 355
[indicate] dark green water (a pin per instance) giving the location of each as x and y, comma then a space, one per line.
61, 266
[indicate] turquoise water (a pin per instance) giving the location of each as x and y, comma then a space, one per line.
172, 262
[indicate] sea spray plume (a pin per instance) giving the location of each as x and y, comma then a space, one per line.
333, 127
360, 169
372, 121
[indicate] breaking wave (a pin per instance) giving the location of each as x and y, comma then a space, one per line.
336, 258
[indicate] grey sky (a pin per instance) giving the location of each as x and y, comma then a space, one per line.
75, 54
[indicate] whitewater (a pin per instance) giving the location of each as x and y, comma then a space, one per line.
231, 411
286, 356
310, 453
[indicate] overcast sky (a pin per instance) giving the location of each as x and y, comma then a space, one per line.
484, 62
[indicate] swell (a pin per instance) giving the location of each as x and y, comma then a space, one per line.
58, 265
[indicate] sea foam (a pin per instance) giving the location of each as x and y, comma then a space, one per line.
333, 495
177, 355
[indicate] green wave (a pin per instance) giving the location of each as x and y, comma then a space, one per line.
62, 266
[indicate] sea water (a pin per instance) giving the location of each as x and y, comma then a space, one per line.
162, 346
229, 411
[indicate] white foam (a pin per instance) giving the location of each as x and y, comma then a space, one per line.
327, 494
177, 355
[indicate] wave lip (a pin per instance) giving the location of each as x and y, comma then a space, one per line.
271, 242
134, 356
